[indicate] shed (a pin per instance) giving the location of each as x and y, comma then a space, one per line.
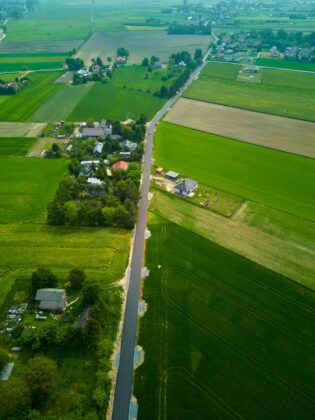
98, 149
6, 371
94, 181
52, 299
172, 175
159, 170
124, 155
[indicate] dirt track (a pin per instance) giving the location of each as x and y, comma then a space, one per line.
279, 133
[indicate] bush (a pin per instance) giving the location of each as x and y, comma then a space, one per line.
76, 278
41, 376
15, 399
43, 278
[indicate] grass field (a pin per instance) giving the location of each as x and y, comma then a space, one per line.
20, 129
282, 92
31, 62
145, 28
21, 107
269, 177
15, 146
285, 64
266, 130
229, 335
28, 185
116, 103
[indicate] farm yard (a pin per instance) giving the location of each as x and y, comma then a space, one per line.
21, 107
28, 185
281, 92
272, 178
253, 127
228, 333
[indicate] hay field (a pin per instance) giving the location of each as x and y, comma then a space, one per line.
266, 130
281, 92
228, 334
19, 62
272, 178
140, 44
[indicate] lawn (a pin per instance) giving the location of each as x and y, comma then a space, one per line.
27, 187
282, 92
20, 62
115, 103
15, 146
276, 179
21, 107
229, 335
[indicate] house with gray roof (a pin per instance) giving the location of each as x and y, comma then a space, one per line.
186, 187
51, 299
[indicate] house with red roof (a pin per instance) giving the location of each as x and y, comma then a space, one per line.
121, 165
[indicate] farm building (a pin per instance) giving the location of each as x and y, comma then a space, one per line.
186, 187
87, 166
90, 133
52, 299
251, 69
121, 165
173, 176
159, 171
98, 149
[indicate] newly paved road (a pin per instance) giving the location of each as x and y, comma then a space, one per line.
123, 389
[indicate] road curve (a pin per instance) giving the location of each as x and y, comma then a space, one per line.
124, 381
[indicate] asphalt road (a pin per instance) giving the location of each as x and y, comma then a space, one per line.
123, 389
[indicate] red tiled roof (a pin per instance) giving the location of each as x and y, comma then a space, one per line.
120, 165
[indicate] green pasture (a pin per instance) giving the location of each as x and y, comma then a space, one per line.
282, 92
231, 338
9, 77
286, 64
31, 62
27, 186
145, 28
21, 107
276, 179
15, 146
115, 103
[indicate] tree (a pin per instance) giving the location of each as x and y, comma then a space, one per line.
122, 52
70, 213
99, 61
109, 59
91, 292
145, 62
126, 132
74, 167
142, 120
43, 278
198, 54
74, 64
15, 399
42, 375
76, 278
90, 122
55, 213
4, 358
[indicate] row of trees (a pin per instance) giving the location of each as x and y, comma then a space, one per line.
283, 39
11, 88
190, 29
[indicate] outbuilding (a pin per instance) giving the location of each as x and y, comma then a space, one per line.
173, 176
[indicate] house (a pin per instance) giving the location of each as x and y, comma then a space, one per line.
157, 65
84, 72
121, 165
173, 176
98, 149
121, 60
127, 121
90, 133
94, 181
186, 187
51, 299
125, 155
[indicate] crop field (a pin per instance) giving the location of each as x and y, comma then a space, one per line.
28, 185
21, 107
276, 179
282, 92
229, 335
145, 28
31, 62
112, 102
275, 239
15, 146
20, 129
141, 44
253, 127
38, 47
285, 64
59, 105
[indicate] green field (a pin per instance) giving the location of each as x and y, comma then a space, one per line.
15, 146
27, 186
231, 338
21, 107
145, 28
116, 103
285, 64
276, 179
20, 62
281, 92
